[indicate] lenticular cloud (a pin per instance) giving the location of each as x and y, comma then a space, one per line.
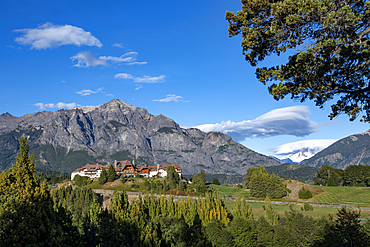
283, 121
49, 36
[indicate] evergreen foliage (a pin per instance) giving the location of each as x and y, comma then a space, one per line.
172, 177
26, 209
304, 193
216, 181
353, 175
261, 184
81, 180
111, 174
103, 177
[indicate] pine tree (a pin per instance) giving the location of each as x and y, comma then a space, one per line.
111, 174
103, 177
26, 208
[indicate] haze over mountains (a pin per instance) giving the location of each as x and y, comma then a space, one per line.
67, 139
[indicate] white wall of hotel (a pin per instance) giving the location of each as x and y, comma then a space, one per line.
83, 174
162, 173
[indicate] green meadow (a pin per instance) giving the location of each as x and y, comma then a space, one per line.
354, 196
345, 196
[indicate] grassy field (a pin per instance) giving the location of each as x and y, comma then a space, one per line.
226, 191
346, 196
318, 212
359, 196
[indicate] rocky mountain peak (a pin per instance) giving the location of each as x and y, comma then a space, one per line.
67, 139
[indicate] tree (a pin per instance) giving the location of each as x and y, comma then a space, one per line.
202, 176
196, 179
330, 45
103, 177
347, 230
304, 193
27, 217
215, 181
329, 176
172, 177
111, 174
271, 213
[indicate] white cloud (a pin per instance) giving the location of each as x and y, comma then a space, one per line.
126, 58
119, 45
86, 59
138, 86
139, 63
284, 121
144, 79
150, 79
124, 76
86, 92
47, 36
59, 105
314, 144
171, 98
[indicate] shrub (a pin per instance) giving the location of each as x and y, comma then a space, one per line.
307, 207
134, 186
216, 181
304, 193
289, 191
81, 181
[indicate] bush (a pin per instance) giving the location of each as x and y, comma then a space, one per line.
239, 186
134, 186
307, 207
304, 193
289, 191
123, 179
81, 181
216, 181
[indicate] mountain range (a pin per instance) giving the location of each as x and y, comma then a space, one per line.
67, 139
352, 150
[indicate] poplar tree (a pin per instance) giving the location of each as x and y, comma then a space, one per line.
202, 176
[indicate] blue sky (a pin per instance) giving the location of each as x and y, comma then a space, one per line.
170, 57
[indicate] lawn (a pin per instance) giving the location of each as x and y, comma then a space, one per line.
226, 191
359, 196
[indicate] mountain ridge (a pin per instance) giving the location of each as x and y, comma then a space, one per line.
351, 150
67, 139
